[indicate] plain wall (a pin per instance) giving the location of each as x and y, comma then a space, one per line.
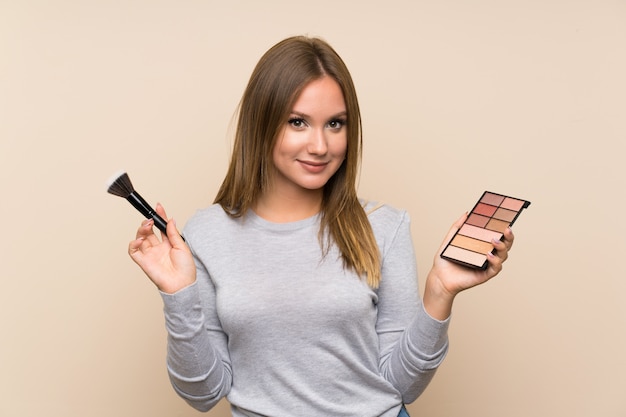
526, 98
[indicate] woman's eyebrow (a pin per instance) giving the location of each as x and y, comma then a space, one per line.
306, 116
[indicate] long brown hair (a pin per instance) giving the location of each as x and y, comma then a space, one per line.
274, 86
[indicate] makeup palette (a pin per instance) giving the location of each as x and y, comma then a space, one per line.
488, 220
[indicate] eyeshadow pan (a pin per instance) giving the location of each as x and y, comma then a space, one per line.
497, 225
477, 220
464, 256
484, 209
472, 244
513, 204
488, 220
479, 233
504, 214
491, 198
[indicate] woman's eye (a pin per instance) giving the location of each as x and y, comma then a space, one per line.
297, 122
336, 124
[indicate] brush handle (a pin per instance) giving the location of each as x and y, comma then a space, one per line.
144, 208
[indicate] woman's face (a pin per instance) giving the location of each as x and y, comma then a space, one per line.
312, 145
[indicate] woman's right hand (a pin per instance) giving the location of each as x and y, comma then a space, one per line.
167, 261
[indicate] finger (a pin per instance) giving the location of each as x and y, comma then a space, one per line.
146, 232
501, 252
508, 238
501, 249
495, 264
161, 210
134, 248
134, 245
161, 221
173, 235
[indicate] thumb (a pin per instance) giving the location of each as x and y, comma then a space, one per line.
161, 210
175, 238
172, 233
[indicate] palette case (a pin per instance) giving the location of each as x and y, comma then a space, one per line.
491, 215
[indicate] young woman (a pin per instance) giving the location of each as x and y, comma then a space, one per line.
290, 296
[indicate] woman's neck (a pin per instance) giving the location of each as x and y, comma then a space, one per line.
281, 208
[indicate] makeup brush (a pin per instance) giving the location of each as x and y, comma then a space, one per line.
121, 186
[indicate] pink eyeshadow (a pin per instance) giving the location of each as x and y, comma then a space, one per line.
465, 256
493, 199
479, 233
512, 204
477, 220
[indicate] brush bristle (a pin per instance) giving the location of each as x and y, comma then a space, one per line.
120, 185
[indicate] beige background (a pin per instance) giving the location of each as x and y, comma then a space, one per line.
526, 98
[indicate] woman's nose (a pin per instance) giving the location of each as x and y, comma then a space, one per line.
317, 142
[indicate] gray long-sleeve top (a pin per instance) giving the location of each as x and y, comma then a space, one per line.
282, 331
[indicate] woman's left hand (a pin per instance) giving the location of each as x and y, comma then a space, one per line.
446, 279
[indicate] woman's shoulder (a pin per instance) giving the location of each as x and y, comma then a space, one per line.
382, 213
387, 223
212, 212
207, 218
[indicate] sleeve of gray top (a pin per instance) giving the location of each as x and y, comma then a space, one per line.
412, 344
199, 370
